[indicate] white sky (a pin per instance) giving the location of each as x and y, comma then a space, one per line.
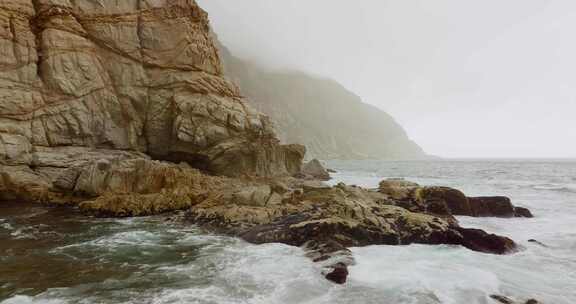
466, 78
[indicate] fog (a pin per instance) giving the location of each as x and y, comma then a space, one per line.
466, 78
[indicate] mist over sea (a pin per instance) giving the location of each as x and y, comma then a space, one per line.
50, 256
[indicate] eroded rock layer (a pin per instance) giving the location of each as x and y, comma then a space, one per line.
133, 75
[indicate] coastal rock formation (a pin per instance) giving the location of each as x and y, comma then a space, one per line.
138, 76
331, 121
316, 170
448, 201
122, 109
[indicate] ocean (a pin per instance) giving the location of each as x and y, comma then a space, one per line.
53, 256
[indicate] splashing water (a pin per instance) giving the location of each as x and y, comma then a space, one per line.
58, 256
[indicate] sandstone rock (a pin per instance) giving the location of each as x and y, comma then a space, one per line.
349, 216
316, 170
397, 188
140, 76
92, 91
140, 187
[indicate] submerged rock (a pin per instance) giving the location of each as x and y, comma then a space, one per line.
522, 212
339, 274
506, 300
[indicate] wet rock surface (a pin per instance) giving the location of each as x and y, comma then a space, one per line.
506, 300
123, 110
448, 201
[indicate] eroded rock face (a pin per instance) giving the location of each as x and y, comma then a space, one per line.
134, 75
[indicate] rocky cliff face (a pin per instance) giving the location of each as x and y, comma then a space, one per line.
332, 122
86, 77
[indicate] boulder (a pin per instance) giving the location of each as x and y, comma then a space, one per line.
495, 206
316, 170
522, 212
479, 240
339, 274
447, 202
398, 189
455, 200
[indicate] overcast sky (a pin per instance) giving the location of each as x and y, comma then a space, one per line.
466, 78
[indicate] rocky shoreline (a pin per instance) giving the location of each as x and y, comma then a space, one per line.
102, 109
299, 212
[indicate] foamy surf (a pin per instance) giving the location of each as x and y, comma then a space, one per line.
149, 261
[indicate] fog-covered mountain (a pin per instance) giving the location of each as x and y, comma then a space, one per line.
332, 122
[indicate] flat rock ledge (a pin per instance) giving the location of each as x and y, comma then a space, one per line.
323, 220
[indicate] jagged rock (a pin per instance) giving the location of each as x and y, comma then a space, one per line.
349, 216
479, 240
456, 201
448, 201
315, 169
339, 274
136, 77
498, 206
335, 258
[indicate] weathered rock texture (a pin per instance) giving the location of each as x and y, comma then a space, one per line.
314, 169
100, 99
448, 201
331, 121
132, 75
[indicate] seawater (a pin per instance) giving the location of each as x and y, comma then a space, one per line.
57, 256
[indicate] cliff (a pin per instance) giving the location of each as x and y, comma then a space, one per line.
329, 120
83, 78
121, 108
